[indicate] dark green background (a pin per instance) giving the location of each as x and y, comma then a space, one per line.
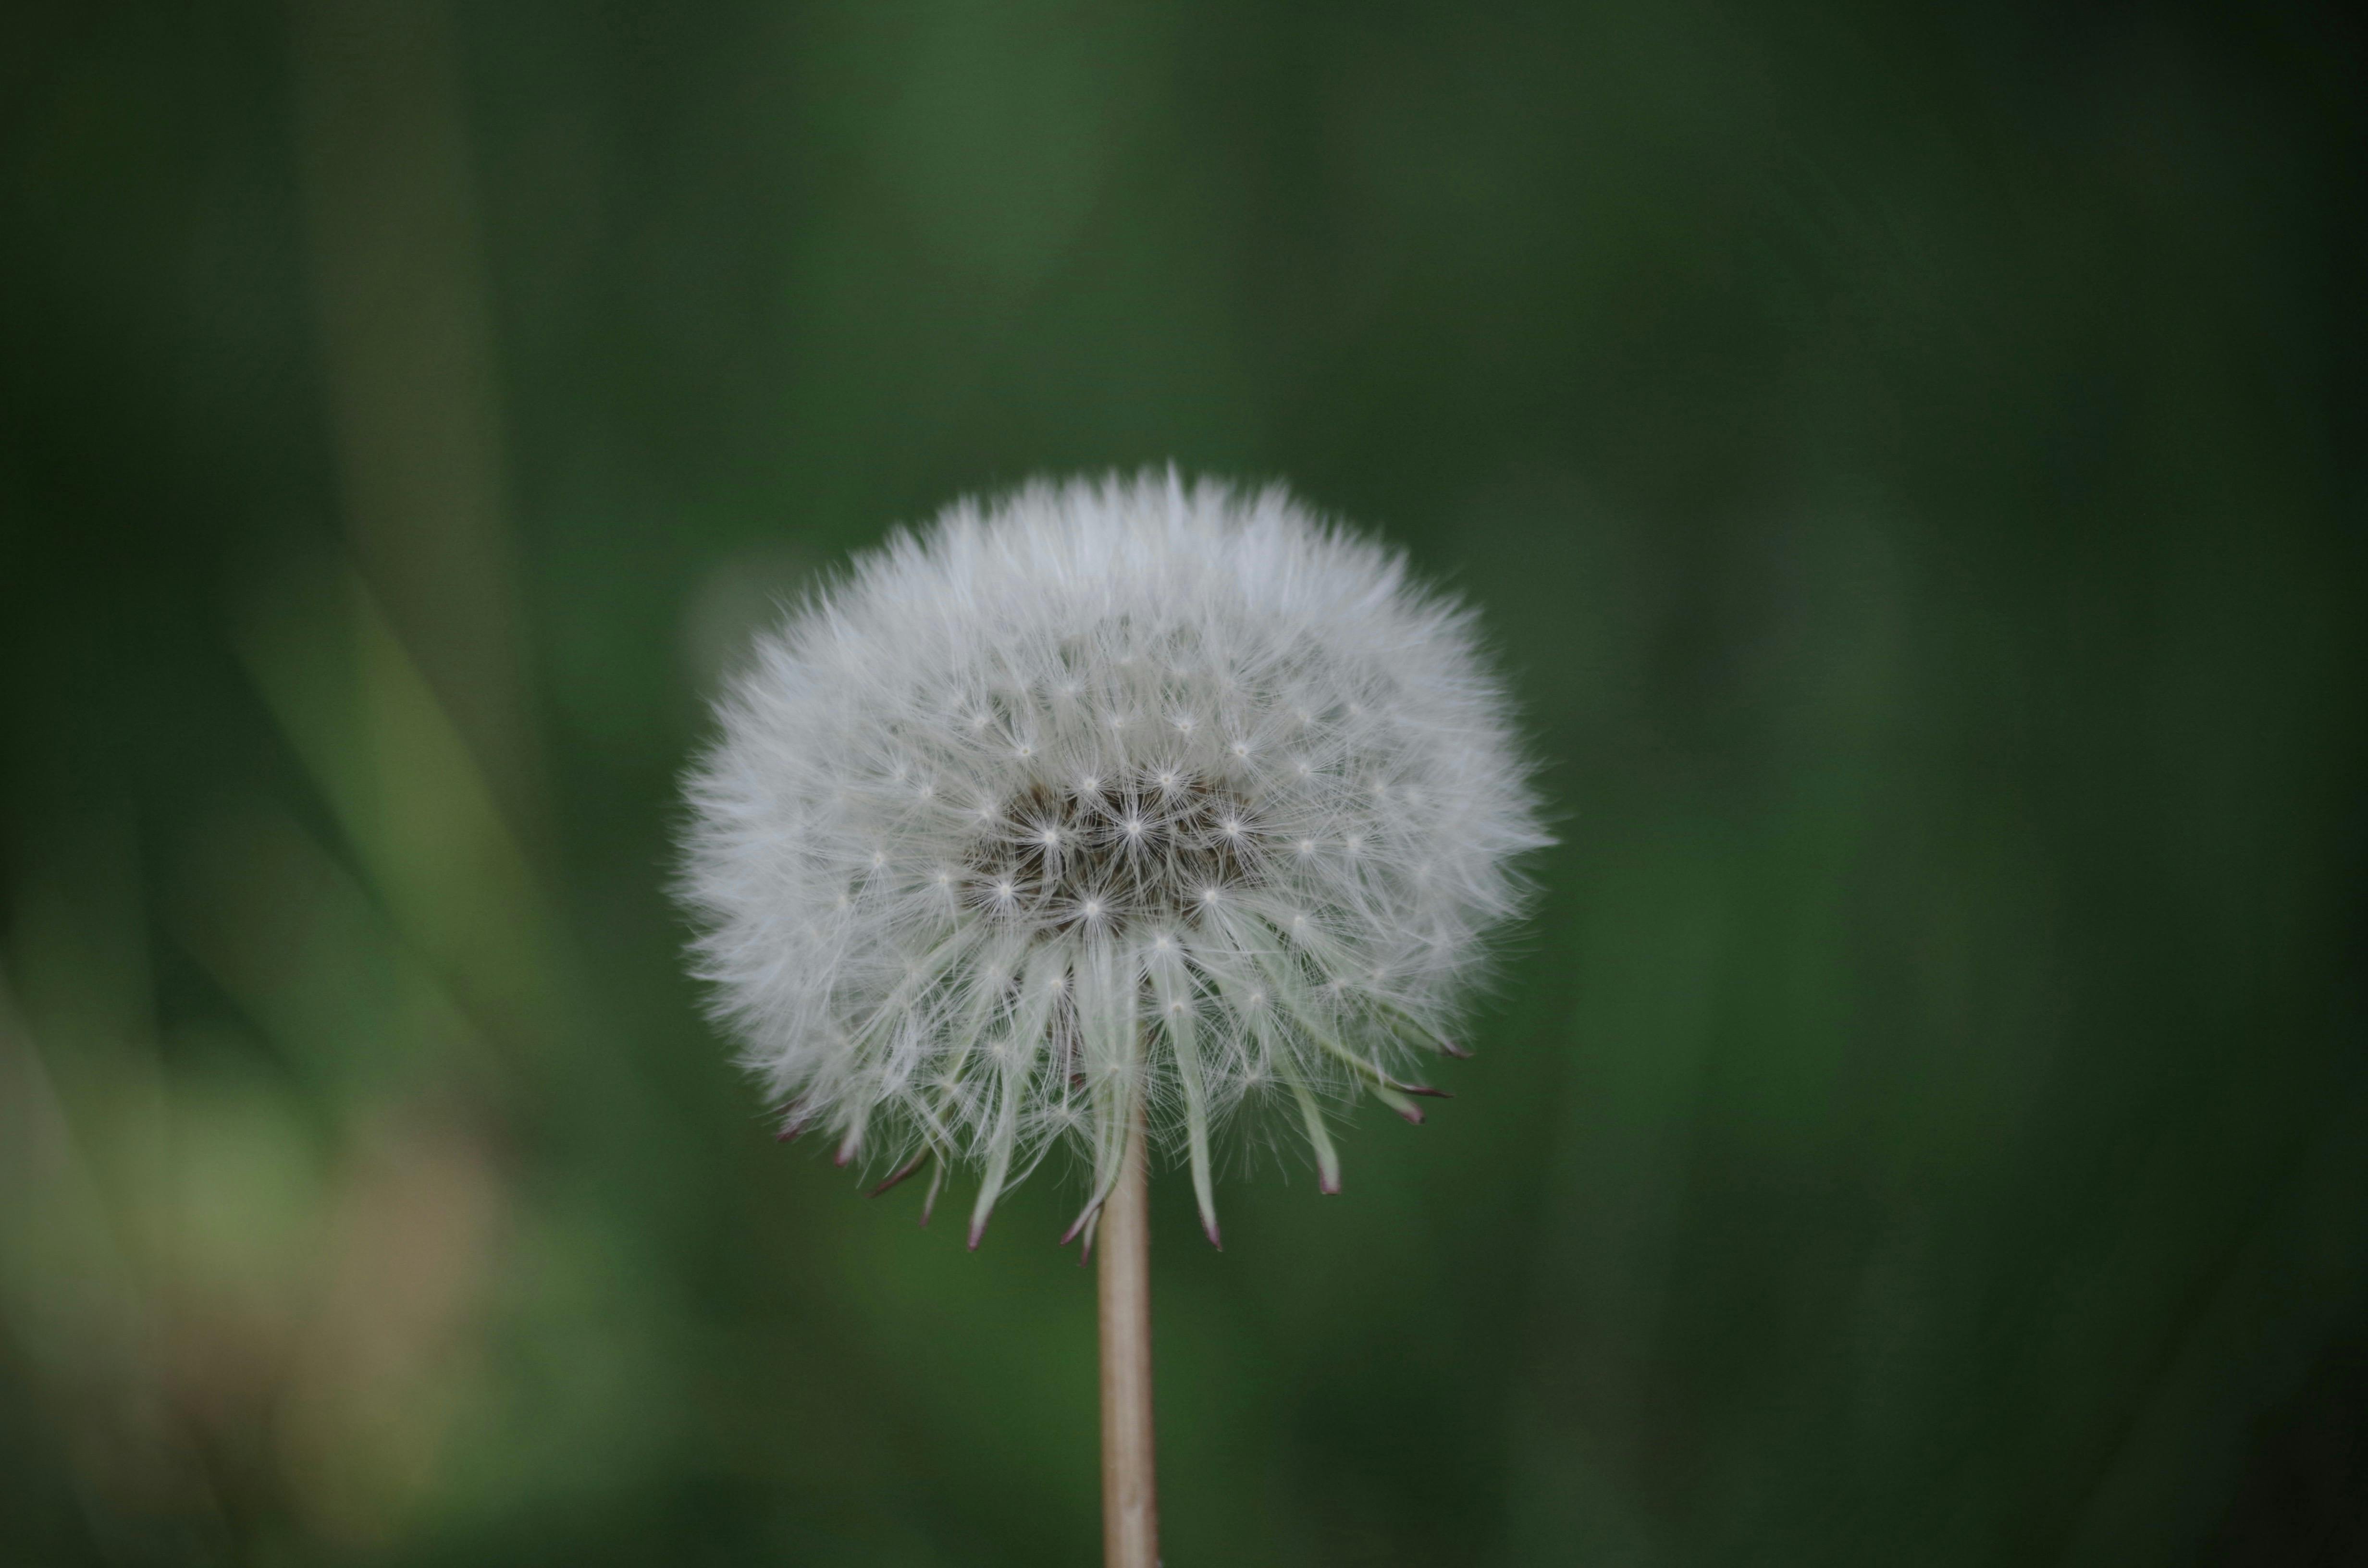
1910, 462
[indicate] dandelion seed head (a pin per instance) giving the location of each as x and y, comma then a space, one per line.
1147, 706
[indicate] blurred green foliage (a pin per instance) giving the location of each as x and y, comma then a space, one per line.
1910, 462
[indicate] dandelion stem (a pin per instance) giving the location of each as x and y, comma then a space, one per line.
1130, 1499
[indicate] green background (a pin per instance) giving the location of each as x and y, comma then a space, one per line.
1910, 462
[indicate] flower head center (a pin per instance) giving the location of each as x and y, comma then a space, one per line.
1105, 853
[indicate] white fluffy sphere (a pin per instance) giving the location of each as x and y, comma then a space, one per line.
1101, 792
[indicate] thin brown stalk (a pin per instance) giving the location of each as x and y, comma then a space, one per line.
1130, 1497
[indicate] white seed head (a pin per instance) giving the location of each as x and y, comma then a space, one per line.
1280, 890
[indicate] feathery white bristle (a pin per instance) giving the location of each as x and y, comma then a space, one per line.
1103, 788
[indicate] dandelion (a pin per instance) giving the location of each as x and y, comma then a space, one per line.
1109, 809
